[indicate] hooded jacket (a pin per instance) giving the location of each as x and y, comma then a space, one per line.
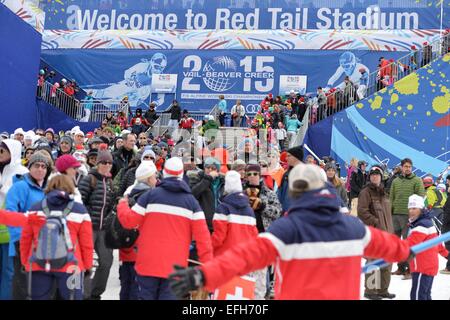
168, 219
420, 230
14, 167
317, 251
234, 223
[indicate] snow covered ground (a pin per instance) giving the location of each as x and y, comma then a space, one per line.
440, 291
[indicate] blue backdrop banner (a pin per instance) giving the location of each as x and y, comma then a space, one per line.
19, 62
249, 14
248, 75
407, 120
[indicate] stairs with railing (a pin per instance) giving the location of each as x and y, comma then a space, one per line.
340, 100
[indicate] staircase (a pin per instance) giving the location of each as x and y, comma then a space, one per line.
401, 68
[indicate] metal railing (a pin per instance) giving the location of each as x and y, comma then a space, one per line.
59, 99
302, 131
349, 93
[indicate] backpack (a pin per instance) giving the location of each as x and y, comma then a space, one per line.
54, 247
440, 202
116, 236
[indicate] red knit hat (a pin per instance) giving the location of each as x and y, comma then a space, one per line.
65, 162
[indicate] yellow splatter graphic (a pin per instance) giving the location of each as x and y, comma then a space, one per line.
430, 71
446, 58
408, 85
394, 98
383, 120
399, 108
445, 90
428, 113
410, 107
432, 84
376, 104
360, 105
389, 112
441, 104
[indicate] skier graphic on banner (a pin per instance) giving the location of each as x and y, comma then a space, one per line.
349, 66
136, 84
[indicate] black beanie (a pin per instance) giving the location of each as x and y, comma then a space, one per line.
296, 152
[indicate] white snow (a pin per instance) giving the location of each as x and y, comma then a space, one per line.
440, 291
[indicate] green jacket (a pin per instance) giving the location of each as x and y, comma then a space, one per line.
402, 188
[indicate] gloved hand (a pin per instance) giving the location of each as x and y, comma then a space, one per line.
184, 280
411, 256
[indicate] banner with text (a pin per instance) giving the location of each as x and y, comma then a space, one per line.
248, 75
294, 14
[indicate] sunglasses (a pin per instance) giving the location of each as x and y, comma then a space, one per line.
106, 162
249, 174
165, 149
39, 165
40, 134
142, 138
149, 158
263, 165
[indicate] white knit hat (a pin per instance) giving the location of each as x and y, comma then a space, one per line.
145, 170
416, 201
173, 168
311, 174
232, 182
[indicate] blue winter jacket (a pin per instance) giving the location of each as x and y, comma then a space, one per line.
23, 193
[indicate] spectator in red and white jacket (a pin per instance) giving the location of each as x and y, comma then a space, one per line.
186, 121
58, 196
168, 218
426, 264
234, 221
318, 250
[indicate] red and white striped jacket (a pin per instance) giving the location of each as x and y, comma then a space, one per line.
421, 230
234, 223
317, 251
168, 218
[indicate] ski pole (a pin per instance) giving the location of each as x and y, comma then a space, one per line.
380, 263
